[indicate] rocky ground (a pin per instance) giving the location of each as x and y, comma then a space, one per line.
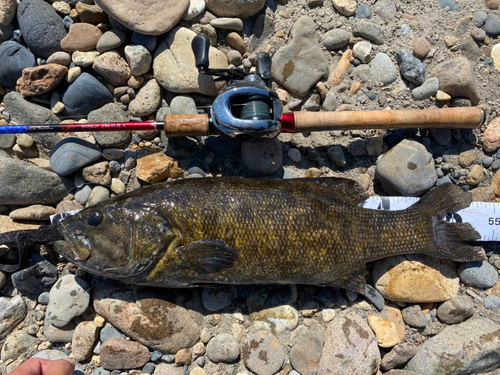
62, 62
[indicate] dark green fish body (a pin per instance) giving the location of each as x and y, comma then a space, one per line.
257, 231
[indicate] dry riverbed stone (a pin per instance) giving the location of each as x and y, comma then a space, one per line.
262, 353
68, 298
150, 317
150, 17
408, 169
350, 347
299, 65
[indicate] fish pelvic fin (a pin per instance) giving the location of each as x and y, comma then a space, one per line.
453, 239
207, 256
354, 282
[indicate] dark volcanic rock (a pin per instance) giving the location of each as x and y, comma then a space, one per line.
24, 184
14, 57
41, 27
24, 112
85, 94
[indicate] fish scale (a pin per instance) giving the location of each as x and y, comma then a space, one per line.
257, 231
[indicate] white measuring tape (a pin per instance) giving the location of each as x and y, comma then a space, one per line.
483, 216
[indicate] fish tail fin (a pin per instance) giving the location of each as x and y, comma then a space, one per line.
453, 239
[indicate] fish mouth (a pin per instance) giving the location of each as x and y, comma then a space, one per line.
83, 248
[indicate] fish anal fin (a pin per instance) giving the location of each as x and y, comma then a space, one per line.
207, 256
354, 282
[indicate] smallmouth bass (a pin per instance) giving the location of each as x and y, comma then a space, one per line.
203, 231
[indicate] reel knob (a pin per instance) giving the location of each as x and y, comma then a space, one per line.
201, 46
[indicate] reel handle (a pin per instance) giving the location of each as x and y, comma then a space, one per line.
201, 46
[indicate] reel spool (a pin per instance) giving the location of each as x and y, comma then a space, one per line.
247, 108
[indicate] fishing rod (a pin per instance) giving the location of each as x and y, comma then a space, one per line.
248, 109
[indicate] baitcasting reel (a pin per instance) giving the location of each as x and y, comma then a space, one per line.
247, 108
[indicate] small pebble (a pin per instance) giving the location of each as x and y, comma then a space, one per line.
294, 155
492, 302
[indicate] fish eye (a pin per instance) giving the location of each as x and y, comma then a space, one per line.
95, 218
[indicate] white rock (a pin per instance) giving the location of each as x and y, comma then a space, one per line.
345, 7
361, 50
495, 55
196, 7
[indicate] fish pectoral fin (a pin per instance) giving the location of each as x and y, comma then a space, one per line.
207, 256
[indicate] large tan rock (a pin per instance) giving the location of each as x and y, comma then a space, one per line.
150, 17
156, 167
457, 78
153, 317
174, 66
416, 279
385, 331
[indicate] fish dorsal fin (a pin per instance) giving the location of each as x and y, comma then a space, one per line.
350, 191
207, 256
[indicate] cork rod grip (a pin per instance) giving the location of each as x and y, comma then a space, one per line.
186, 125
452, 118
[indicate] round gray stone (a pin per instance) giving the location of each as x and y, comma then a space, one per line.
72, 154
139, 59
84, 95
24, 184
457, 345
369, 31
12, 312
262, 353
235, 8
426, 90
68, 298
450, 4
223, 348
383, 69
492, 302
299, 65
492, 25
215, 299
109, 332
456, 310
335, 39
14, 57
478, 274
41, 27
407, 169
111, 39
